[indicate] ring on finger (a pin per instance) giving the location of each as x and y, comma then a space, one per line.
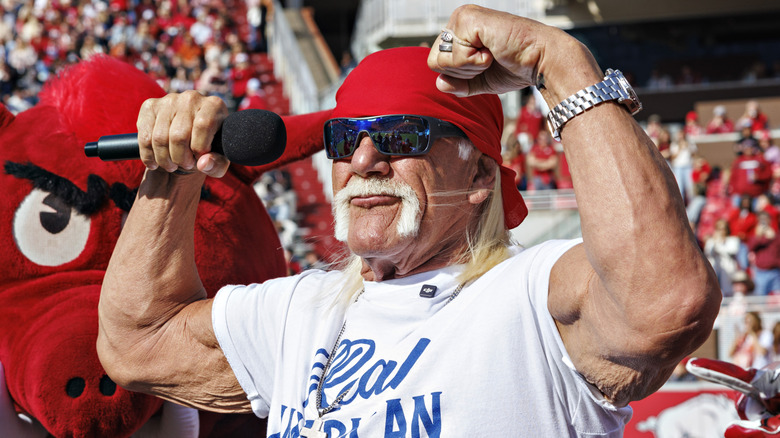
445, 47
446, 35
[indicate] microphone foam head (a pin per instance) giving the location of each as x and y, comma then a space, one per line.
253, 137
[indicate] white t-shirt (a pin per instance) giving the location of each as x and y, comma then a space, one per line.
488, 363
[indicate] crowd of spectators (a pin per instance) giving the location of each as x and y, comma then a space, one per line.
732, 210
203, 45
199, 45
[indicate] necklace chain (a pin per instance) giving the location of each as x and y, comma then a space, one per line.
322, 411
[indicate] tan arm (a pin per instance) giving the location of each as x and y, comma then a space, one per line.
155, 332
638, 295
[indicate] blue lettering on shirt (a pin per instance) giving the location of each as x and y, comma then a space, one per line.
349, 373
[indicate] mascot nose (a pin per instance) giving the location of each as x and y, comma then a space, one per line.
75, 387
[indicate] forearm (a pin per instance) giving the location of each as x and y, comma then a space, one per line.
152, 273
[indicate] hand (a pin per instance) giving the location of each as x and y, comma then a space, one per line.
508, 53
175, 132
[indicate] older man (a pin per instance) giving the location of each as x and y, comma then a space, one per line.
436, 326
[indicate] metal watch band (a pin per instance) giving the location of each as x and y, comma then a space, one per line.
613, 87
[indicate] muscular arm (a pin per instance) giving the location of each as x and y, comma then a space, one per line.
637, 295
643, 295
155, 332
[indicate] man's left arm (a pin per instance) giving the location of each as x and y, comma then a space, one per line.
638, 294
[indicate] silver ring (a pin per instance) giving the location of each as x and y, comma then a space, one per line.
445, 47
446, 36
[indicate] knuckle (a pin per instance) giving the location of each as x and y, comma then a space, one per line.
179, 136
159, 138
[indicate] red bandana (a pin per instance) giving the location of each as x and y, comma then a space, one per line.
398, 81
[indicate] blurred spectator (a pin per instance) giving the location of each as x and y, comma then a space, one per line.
529, 122
664, 143
692, 126
514, 158
764, 205
750, 172
347, 63
753, 117
181, 82
768, 147
742, 220
189, 52
750, 348
700, 177
543, 160
764, 248
240, 75
741, 284
654, 127
720, 123
213, 81
254, 96
681, 153
721, 250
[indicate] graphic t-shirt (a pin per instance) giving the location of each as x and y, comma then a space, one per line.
488, 363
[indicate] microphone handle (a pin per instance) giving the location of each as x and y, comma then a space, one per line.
125, 147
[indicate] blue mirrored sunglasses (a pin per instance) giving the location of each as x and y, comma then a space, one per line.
398, 134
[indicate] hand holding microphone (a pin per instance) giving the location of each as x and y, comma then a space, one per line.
178, 129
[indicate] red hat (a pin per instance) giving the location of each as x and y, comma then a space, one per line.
398, 81
691, 116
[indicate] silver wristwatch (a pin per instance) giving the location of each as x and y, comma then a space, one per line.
613, 87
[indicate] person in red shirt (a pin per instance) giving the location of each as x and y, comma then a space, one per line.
543, 160
742, 220
764, 205
720, 123
764, 248
529, 122
254, 96
240, 76
692, 126
754, 118
750, 172
514, 158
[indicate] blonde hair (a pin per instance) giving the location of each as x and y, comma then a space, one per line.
485, 249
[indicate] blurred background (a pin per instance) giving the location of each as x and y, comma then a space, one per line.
707, 72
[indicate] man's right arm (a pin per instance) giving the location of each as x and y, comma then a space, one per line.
155, 332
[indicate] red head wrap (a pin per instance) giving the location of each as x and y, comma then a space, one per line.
398, 81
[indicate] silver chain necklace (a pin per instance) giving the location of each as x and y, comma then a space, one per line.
315, 431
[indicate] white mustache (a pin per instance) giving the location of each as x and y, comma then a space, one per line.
409, 220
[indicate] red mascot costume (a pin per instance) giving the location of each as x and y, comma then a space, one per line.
60, 217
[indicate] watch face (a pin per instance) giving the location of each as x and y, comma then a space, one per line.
633, 104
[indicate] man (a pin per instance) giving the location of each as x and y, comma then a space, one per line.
437, 327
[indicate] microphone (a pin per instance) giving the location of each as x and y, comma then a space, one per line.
250, 137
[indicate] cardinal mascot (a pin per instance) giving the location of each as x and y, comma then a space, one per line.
60, 216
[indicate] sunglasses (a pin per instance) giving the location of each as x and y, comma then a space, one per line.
395, 135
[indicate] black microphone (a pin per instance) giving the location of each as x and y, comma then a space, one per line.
250, 137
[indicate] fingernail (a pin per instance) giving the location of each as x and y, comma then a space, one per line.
209, 165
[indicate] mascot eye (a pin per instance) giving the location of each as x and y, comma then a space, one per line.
48, 231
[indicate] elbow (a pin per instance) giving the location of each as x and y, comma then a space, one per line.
695, 312
112, 362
